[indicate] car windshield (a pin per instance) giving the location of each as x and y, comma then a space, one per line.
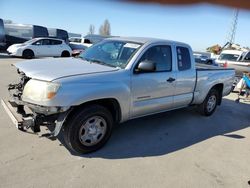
111, 53
230, 57
30, 41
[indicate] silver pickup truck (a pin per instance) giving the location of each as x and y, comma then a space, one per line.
112, 82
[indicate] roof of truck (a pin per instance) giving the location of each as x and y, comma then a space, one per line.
144, 40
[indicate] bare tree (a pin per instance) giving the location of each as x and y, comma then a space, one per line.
105, 29
91, 29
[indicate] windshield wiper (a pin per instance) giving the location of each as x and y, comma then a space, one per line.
100, 62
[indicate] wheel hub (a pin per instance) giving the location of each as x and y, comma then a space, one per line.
211, 103
93, 130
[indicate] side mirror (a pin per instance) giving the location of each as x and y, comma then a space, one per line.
146, 66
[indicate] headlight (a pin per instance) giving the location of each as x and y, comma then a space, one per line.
40, 90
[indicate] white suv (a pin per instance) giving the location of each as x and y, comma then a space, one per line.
40, 47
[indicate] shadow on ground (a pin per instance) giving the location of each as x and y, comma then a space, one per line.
4, 56
171, 131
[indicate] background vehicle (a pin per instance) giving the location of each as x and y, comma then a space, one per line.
114, 81
74, 35
229, 55
236, 59
76, 39
245, 57
88, 39
40, 47
77, 48
59, 33
19, 33
2, 35
204, 59
95, 38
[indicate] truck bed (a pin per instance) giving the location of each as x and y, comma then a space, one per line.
207, 76
202, 67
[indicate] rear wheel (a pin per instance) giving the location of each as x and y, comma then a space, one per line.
65, 54
88, 129
209, 105
28, 54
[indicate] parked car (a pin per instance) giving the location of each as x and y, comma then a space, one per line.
40, 47
229, 55
89, 39
203, 59
114, 81
20, 33
59, 34
77, 48
236, 59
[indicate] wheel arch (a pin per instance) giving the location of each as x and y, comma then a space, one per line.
28, 49
219, 88
111, 104
65, 53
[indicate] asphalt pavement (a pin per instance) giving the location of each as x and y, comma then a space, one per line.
175, 149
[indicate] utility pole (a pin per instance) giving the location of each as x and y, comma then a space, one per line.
233, 26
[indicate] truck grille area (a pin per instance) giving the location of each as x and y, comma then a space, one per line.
16, 89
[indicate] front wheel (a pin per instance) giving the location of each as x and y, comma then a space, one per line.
88, 129
209, 105
65, 54
28, 54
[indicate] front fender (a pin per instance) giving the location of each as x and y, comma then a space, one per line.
79, 93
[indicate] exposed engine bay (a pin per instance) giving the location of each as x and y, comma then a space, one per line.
29, 116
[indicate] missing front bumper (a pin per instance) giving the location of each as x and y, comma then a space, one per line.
25, 119
19, 121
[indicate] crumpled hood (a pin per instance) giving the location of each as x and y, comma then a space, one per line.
51, 69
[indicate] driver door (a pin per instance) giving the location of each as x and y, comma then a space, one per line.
153, 91
42, 47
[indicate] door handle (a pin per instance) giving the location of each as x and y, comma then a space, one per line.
170, 79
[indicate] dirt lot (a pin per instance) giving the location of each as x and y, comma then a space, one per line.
174, 149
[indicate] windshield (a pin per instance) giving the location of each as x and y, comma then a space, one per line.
111, 53
230, 57
30, 41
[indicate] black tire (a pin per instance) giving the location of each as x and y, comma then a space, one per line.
28, 54
74, 127
65, 54
206, 108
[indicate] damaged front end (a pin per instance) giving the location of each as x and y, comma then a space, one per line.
31, 116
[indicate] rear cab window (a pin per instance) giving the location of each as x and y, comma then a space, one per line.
183, 58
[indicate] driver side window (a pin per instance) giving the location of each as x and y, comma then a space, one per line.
39, 42
42, 42
160, 55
